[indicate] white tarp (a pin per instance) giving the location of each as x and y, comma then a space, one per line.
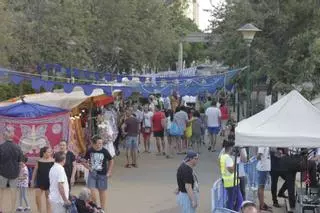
316, 102
58, 99
291, 122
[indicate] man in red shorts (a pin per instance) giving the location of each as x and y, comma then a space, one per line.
158, 121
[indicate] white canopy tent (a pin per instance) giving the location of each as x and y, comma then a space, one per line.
291, 122
316, 102
59, 98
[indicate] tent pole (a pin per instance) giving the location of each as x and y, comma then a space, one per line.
90, 120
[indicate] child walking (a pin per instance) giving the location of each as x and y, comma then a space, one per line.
22, 185
197, 129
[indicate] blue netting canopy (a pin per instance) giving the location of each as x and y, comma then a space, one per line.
28, 110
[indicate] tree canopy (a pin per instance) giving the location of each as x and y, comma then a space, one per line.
100, 35
286, 51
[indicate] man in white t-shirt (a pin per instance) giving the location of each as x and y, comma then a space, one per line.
213, 115
263, 168
59, 187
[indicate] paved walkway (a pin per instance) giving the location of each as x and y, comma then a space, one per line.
150, 188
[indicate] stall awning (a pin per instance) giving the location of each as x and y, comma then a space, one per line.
291, 122
28, 110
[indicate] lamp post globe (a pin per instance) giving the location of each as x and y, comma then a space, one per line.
248, 32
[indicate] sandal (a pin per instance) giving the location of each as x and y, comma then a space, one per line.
265, 208
127, 166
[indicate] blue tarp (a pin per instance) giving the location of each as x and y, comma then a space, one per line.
28, 110
192, 86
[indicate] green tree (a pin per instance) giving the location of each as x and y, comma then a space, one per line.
286, 50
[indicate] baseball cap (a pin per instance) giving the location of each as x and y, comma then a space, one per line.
190, 155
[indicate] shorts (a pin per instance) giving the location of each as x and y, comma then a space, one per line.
185, 204
132, 142
213, 130
158, 134
262, 178
4, 182
96, 181
195, 139
224, 124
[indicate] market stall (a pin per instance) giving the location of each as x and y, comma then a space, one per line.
34, 126
291, 122
81, 109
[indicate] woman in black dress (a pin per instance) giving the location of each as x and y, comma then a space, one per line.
40, 177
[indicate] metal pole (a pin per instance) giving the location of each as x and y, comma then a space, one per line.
180, 57
248, 88
238, 104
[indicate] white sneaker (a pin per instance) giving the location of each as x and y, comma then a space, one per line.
27, 209
20, 209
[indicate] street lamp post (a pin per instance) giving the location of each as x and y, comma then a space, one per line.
248, 32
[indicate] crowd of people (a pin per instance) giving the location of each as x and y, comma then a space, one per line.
177, 129
272, 163
54, 175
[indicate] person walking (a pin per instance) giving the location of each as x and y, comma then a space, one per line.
197, 126
131, 130
10, 160
100, 165
180, 119
188, 185
275, 173
263, 168
224, 117
146, 128
170, 138
40, 177
227, 167
23, 184
59, 187
70, 165
158, 123
213, 115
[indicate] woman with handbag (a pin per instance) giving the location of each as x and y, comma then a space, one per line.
146, 128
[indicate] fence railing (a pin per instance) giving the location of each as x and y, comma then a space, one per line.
219, 194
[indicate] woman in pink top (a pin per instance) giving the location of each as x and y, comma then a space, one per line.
224, 117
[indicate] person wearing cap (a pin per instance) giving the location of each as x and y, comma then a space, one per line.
231, 185
188, 185
248, 207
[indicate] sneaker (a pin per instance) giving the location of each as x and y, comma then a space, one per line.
19, 209
209, 148
27, 209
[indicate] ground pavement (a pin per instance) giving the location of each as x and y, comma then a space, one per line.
150, 188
